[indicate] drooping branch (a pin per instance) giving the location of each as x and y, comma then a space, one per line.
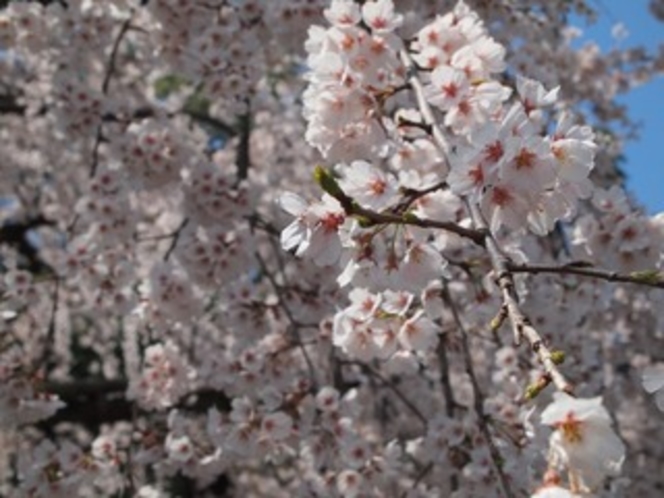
110, 69
478, 397
521, 325
295, 325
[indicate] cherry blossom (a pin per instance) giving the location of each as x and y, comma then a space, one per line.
323, 248
653, 382
583, 441
315, 230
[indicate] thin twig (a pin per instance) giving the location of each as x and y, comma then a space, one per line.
110, 69
294, 324
418, 479
176, 236
114, 53
50, 333
404, 399
448, 392
411, 195
210, 121
478, 397
99, 137
242, 154
649, 279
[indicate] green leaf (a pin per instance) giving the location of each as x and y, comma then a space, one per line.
326, 180
168, 84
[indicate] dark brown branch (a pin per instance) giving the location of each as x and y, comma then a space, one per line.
110, 69
478, 397
176, 236
9, 105
210, 121
15, 234
374, 218
114, 53
94, 402
368, 218
242, 155
448, 392
647, 278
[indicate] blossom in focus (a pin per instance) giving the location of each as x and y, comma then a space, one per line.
369, 186
583, 442
314, 232
380, 16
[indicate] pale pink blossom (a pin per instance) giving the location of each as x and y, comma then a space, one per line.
343, 13
653, 383
380, 16
368, 185
419, 333
583, 441
315, 230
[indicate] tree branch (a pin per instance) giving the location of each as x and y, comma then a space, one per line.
647, 278
520, 322
294, 323
521, 325
369, 370
478, 397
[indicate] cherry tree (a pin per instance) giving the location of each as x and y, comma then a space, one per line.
323, 248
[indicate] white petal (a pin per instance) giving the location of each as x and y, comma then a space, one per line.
292, 203
653, 380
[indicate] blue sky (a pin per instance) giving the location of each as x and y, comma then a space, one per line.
645, 156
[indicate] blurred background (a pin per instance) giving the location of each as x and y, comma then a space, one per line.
623, 24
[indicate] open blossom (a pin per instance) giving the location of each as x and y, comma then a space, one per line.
379, 15
179, 448
418, 333
449, 86
277, 426
574, 149
315, 230
533, 96
343, 13
369, 186
584, 442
